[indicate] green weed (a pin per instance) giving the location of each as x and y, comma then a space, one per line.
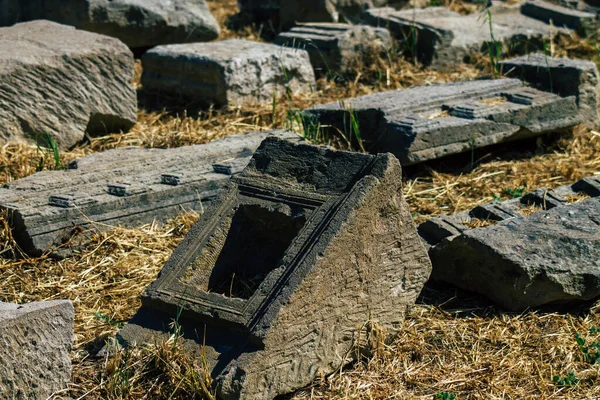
444, 396
566, 381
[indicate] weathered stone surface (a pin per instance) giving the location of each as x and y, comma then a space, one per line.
59, 82
293, 11
425, 123
444, 38
580, 21
129, 186
305, 246
337, 48
231, 72
35, 345
137, 23
563, 76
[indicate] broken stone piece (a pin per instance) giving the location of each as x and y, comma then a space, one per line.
304, 247
337, 48
580, 21
127, 186
231, 72
137, 23
563, 76
429, 122
56, 83
35, 346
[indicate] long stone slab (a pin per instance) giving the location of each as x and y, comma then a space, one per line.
35, 346
336, 48
137, 23
444, 38
563, 76
57, 83
276, 280
230, 72
425, 123
523, 259
129, 186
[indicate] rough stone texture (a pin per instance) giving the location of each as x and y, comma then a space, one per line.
59, 82
128, 186
445, 38
35, 346
305, 247
563, 76
337, 48
429, 122
137, 23
293, 11
231, 72
563, 17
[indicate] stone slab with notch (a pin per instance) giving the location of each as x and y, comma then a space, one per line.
128, 186
227, 73
337, 48
57, 83
443, 38
306, 246
35, 348
523, 257
429, 122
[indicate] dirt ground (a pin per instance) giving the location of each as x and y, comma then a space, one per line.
453, 343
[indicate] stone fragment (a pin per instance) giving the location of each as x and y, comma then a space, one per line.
563, 76
128, 186
580, 21
58, 83
337, 48
276, 279
425, 123
293, 11
444, 38
35, 346
137, 23
231, 72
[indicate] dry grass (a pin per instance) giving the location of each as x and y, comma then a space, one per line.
452, 342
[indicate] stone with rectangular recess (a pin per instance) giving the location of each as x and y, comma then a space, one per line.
127, 186
227, 73
305, 247
429, 122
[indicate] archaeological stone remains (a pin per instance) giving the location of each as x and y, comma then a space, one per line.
523, 256
293, 11
337, 48
563, 76
429, 122
443, 38
230, 72
138, 24
35, 346
127, 186
276, 279
57, 83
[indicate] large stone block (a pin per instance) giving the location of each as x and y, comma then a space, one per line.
137, 23
305, 247
581, 21
523, 260
35, 346
57, 82
425, 123
231, 72
563, 76
129, 186
337, 48
443, 38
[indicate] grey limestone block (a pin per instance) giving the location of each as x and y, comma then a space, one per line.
57, 82
127, 187
137, 23
563, 76
429, 122
336, 47
35, 346
304, 247
230, 72
582, 22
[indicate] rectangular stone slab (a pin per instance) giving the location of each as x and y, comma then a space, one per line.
128, 187
425, 123
305, 246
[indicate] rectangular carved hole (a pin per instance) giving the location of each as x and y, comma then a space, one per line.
256, 240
